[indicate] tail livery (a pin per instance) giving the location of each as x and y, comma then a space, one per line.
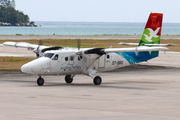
149, 45
152, 31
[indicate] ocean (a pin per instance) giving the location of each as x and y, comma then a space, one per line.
87, 28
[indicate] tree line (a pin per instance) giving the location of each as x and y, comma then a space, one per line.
9, 14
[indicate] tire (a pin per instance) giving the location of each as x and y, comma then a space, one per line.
68, 79
40, 81
97, 80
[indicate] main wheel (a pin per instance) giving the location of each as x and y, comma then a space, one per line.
97, 80
68, 79
40, 81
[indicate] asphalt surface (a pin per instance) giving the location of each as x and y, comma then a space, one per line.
146, 91
16, 52
149, 91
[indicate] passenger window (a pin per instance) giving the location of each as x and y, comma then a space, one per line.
66, 58
71, 58
55, 57
108, 56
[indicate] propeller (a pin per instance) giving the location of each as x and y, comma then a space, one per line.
37, 49
79, 53
78, 44
41, 42
79, 47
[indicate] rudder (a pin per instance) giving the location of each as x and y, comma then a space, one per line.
152, 30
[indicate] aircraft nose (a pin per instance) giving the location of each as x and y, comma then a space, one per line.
35, 66
26, 68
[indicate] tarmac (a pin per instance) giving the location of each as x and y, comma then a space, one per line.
146, 91
16, 52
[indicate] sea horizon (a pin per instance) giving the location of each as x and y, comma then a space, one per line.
87, 28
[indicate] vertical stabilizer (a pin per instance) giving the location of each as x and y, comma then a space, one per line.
151, 35
152, 30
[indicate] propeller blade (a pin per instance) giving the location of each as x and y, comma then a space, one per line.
41, 42
37, 50
79, 44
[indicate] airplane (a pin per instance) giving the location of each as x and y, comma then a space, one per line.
89, 61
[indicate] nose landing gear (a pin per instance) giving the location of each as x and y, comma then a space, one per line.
40, 81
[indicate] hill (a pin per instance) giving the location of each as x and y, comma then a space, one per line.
9, 16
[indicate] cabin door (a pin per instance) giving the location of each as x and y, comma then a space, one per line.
101, 61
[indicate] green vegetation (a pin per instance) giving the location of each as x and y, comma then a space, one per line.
9, 14
19, 34
13, 63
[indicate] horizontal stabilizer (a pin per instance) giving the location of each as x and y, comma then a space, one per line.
124, 43
169, 44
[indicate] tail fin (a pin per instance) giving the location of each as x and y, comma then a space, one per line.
152, 30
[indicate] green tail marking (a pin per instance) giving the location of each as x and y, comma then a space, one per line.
148, 37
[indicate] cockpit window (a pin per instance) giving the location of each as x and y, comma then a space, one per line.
48, 55
55, 57
80, 57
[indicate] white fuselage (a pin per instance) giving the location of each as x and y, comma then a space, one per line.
68, 62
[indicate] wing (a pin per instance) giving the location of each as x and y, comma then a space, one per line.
101, 51
21, 44
38, 49
136, 49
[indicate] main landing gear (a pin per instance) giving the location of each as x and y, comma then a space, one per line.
97, 80
40, 81
69, 78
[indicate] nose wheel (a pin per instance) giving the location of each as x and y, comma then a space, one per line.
40, 81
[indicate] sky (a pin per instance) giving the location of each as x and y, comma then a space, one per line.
99, 10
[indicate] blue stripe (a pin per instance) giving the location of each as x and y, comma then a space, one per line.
132, 58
